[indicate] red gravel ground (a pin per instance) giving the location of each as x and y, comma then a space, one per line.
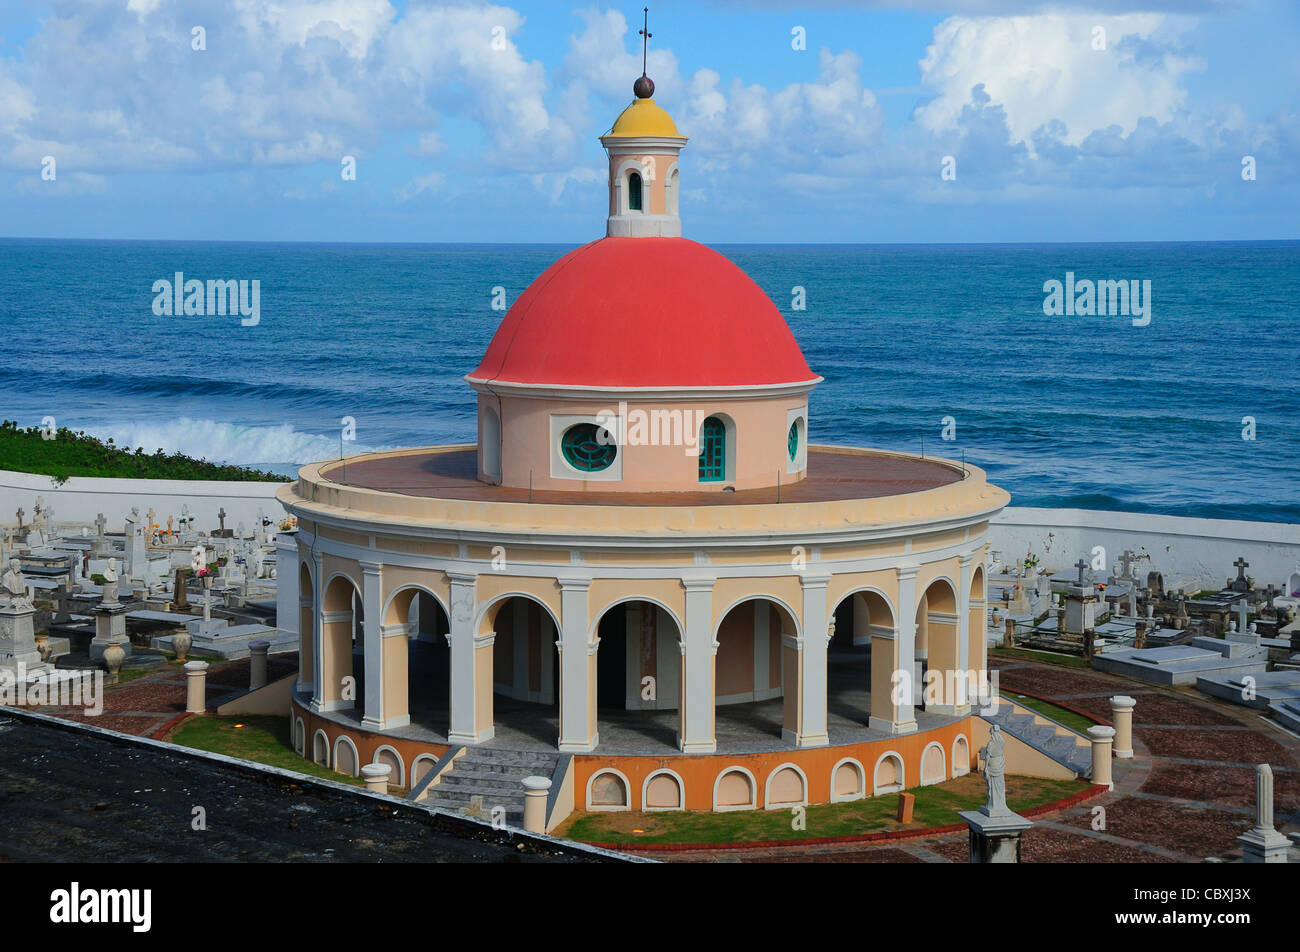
1230, 786
1043, 845
1042, 680
1188, 830
1229, 746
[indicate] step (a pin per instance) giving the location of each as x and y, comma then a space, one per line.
468, 763
474, 783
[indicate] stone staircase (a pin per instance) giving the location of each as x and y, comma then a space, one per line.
1072, 750
493, 774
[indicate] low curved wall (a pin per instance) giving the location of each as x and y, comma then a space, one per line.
1199, 551
81, 498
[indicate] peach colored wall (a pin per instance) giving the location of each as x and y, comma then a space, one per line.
653, 179
492, 585
760, 452
736, 652
606, 592
698, 772
396, 577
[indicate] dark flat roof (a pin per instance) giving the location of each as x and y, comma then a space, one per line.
832, 475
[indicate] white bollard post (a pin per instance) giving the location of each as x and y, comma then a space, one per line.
376, 777
535, 789
1121, 709
196, 687
1101, 738
257, 652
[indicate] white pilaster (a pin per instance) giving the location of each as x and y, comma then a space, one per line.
287, 596
812, 686
372, 644
963, 685
576, 715
906, 688
317, 635
697, 684
465, 727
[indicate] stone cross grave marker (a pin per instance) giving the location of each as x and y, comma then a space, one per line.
1081, 565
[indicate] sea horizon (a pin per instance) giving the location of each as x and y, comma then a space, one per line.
1064, 411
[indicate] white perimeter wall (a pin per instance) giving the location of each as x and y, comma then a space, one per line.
81, 498
1181, 549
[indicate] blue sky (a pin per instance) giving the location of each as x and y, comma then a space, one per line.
1052, 138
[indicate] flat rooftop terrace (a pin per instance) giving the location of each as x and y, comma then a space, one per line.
833, 474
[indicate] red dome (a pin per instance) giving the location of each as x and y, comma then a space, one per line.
644, 312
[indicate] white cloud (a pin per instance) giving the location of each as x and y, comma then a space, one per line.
431, 182
1045, 68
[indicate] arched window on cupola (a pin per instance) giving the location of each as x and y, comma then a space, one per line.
634, 192
713, 451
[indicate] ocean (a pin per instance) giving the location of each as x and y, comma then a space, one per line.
916, 342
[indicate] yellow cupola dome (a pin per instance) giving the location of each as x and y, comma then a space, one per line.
644, 118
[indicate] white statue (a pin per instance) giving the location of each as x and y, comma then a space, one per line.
995, 766
110, 583
13, 586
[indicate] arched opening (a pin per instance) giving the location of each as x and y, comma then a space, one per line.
342, 640
638, 664
670, 193
754, 664
608, 790
734, 790
663, 791
526, 666
320, 749
960, 756
860, 660
933, 769
634, 191
425, 654
848, 781
397, 770
889, 776
1293, 583
937, 648
786, 788
490, 443
345, 756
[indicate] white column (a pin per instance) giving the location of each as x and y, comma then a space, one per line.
907, 689
696, 684
372, 643
577, 717
317, 635
812, 687
964, 686
465, 727
287, 597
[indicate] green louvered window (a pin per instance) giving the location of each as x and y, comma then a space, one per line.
713, 451
792, 441
588, 447
634, 192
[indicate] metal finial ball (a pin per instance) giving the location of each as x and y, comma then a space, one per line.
644, 87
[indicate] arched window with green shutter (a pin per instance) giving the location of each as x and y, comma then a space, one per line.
713, 451
634, 192
792, 441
